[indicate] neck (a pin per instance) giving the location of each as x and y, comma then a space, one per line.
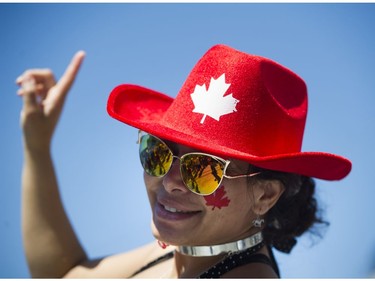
191, 267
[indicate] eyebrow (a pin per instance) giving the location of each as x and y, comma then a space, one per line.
171, 145
235, 167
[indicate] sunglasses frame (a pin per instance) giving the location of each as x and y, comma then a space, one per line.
217, 158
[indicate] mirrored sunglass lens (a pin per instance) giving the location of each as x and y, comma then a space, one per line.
156, 158
201, 173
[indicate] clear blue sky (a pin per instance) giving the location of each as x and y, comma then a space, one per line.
155, 45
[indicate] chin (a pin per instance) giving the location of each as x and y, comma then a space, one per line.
170, 236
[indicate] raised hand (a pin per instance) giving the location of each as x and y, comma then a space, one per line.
43, 100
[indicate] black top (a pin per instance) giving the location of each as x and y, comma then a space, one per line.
230, 262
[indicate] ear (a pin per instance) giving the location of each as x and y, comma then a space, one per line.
266, 195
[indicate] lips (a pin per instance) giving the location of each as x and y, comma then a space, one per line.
167, 212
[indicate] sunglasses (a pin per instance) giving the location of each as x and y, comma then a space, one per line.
201, 173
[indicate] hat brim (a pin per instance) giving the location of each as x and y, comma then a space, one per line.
144, 108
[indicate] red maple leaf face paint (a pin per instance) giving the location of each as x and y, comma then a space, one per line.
217, 199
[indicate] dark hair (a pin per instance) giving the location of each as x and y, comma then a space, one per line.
295, 212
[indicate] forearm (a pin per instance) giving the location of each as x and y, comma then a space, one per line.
51, 245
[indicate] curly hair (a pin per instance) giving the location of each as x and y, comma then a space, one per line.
295, 212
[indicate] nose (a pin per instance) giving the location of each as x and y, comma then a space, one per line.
172, 181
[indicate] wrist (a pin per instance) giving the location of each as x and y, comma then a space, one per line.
37, 150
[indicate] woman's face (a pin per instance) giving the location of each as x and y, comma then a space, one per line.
181, 217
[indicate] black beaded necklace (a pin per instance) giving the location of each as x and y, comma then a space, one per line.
231, 261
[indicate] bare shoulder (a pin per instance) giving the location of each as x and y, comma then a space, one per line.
116, 266
251, 270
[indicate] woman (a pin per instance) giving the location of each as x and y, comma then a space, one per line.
223, 169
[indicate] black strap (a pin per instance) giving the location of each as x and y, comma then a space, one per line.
154, 262
273, 261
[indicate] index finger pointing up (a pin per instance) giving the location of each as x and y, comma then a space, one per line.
70, 73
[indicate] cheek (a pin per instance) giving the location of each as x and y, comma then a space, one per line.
218, 199
151, 184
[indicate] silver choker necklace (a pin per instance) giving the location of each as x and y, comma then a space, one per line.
214, 250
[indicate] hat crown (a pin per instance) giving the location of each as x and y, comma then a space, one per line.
249, 103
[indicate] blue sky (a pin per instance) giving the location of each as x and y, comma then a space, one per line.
155, 45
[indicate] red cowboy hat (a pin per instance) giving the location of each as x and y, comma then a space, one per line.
234, 105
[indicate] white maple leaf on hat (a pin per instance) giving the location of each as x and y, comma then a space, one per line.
212, 101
